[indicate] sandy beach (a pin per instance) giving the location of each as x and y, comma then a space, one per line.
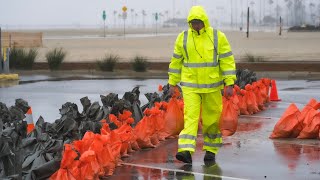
88, 45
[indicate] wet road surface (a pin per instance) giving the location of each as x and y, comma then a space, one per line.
248, 154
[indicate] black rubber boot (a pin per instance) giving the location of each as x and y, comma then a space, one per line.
210, 157
184, 156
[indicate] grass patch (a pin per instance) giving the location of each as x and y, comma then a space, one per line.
139, 64
55, 58
108, 62
22, 59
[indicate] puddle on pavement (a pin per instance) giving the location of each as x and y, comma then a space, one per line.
293, 89
291, 154
8, 83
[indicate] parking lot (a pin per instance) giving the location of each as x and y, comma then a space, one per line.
248, 154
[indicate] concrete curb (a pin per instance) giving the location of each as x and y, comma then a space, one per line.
307, 66
158, 70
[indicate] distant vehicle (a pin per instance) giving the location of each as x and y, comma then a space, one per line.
175, 22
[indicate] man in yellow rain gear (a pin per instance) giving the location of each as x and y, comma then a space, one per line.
203, 63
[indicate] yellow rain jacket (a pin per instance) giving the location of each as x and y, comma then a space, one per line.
202, 63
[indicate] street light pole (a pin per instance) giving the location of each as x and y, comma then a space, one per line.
248, 20
173, 9
1, 62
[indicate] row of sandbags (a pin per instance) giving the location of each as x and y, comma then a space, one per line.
38, 154
247, 101
304, 124
97, 154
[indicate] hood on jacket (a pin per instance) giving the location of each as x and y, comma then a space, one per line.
198, 12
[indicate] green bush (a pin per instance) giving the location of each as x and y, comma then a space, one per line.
30, 58
21, 59
15, 57
55, 58
252, 58
139, 64
108, 62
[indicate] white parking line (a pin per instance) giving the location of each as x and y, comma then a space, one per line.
180, 170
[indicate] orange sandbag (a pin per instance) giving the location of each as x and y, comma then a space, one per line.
62, 174
69, 155
263, 90
83, 145
250, 97
124, 135
243, 107
311, 130
105, 129
267, 83
104, 154
152, 121
312, 103
115, 120
89, 166
143, 133
288, 125
259, 97
174, 117
229, 117
157, 117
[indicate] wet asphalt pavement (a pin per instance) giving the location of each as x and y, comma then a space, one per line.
248, 154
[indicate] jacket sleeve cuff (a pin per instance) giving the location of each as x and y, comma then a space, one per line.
228, 82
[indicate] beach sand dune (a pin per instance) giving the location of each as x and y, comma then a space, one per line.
88, 45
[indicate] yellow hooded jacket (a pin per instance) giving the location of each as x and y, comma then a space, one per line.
202, 62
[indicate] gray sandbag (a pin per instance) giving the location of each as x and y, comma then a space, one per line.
86, 103
23, 105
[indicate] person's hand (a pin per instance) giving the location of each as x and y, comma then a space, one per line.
228, 91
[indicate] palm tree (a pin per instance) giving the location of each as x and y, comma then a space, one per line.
136, 17
319, 14
167, 14
231, 14
252, 3
289, 5
115, 18
270, 5
312, 15
298, 9
278, 11
144, 14
132, 16
260, 12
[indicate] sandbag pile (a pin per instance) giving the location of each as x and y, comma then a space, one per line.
304, 124
12, 132
38, 154
244, 77
97, 154
246, 101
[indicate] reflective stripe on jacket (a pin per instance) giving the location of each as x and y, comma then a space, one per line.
202, 62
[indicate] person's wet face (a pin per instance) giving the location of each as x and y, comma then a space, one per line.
197, 24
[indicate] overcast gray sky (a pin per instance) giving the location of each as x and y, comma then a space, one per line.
88, 12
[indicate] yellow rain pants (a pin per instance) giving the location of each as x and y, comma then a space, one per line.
211, 104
